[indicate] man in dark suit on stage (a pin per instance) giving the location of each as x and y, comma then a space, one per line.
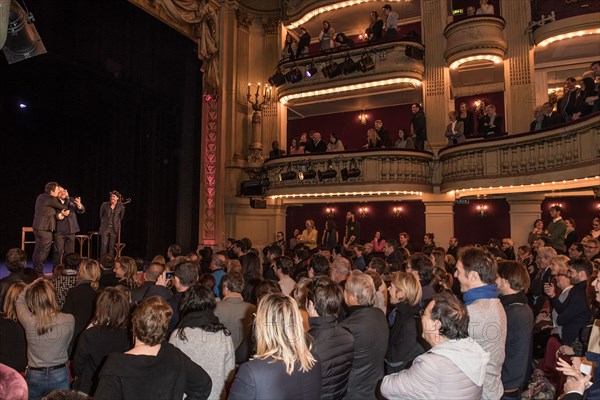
47, 206
66, 226
111, 214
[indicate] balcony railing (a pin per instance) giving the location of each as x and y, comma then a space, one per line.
475, 38
566, 28
562, 9
398, 64
567, 152
387, 168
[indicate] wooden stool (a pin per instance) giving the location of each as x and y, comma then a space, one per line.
82, 239
25, 230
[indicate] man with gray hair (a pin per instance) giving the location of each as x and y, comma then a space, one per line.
543, 275
339, 271
369, 328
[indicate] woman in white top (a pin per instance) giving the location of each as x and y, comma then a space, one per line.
327, 36
485, 8
335, 144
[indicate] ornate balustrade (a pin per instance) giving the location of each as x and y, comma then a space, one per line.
395, 64
572, 27
380, 170
475, 38
567, 152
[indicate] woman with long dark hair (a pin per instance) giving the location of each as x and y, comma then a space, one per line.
204, 339
330, 235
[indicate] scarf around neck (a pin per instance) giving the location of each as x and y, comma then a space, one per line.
482, 292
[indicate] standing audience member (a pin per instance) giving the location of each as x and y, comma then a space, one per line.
539, 120
382, 133
570, 234
153, 368
513, 283
333, 345
391, 22
303, 44
204, 339
283, 266
81, 299
466, 117
13, 345
375, 30
537, 232
557, 229
404, 346
476, 270
48, 333
553, 118
418, 126
378, 242
492, 123
326, 37
567, 104
153, 271
288, 53
218, 266
283, 367
428, 243
485, 8
107, 333
455, 130
453, 247
588, 96
16, 260
542, 276
330, 235
352, 230
454, 368
369, 329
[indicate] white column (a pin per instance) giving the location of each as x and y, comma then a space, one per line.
524, 210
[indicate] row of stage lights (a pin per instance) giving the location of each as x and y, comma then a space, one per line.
329, 173
331, 70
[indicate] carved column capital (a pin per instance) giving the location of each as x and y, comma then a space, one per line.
271, 26
244, 20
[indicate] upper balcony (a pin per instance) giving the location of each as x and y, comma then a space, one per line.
375, 172
390, 67
475, 40
554, 158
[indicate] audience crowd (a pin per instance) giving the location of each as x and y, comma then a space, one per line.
320, 316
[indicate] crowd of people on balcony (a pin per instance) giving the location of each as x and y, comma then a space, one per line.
379, 29
319, 316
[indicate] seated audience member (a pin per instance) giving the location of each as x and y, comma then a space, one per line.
577, 385
107, 277
588, 96
13, 345
283, 366
303, 43
553, 118
283, 266
453, 247
570, 234
543, 275
508, 249
576, 250
299, 294
392, 256
294, 149
470, 11
403, 241
233, 311
343, 41
368, 253
466, 117
309, 235
335, 144
359, 259
378, 242
382, 269
454, 368
591, 249
540, 121
81, 299
126, 272
513, 283
289, 50
107, 333
204, 339
332, 344
218, 264
153, 368
485, 8
373, 140
275, 150
49, 333
339, 270
404, 142
537, 232
477, 270
404, 346
16, 260
421, 267
153, 271
492, 123
318, 146
383, 134
319, 266
375, 30
573, 312
524, 255
455, 130
66, 277
595, 232
428, 243
369, 329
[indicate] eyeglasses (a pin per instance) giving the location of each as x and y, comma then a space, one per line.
590, 247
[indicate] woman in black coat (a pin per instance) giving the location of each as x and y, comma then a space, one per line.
107, 334
403, 345
466, 117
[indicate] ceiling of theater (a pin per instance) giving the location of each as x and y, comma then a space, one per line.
262, 5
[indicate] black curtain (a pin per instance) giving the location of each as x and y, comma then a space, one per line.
104, 110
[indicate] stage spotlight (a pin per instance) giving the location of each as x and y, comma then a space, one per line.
330, 173
309, 174
288, 175
294, 75
332, 70
22, 39
254, 187
348, 66
278, 79
366, 63
350, 173
311, 71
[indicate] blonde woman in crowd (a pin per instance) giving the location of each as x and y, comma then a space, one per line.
283, 367
309, 235
13, 346
48, 333
126, 272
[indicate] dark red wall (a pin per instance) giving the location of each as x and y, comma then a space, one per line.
582, 209
348, 128
470, 228
380, 217
496, 98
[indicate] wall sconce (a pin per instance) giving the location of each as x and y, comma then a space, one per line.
363, 212
482, 210
556, 204
362, 118
330, 212
397, 211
